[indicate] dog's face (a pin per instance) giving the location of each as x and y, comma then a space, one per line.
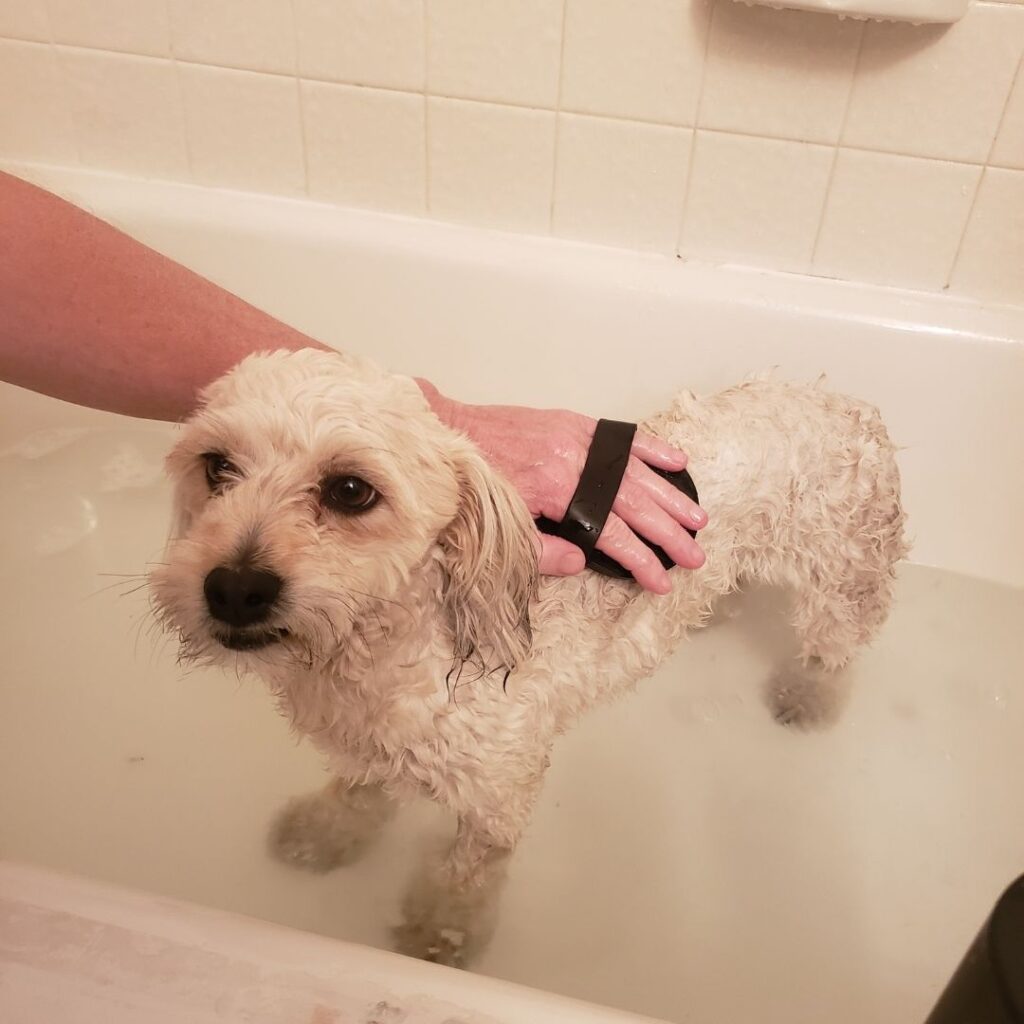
310, 489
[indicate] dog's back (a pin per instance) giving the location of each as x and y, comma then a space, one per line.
801, 488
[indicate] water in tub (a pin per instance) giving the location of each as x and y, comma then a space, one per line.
691, 858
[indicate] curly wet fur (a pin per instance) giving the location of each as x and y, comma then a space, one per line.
402, 623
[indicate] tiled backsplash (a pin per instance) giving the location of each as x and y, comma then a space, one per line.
801, 142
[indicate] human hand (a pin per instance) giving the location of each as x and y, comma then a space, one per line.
542, 453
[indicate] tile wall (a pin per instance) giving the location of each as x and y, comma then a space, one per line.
801, 142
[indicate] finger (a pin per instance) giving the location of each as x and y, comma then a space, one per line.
679, 505
651, 522
657, 452
557, 557
619, 542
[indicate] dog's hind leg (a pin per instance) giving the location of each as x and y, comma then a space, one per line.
832, 622
843, 557
330, 828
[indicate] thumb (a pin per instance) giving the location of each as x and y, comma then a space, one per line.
558, 557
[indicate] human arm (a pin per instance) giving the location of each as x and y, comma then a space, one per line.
89, 315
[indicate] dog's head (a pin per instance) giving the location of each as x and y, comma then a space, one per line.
313, 493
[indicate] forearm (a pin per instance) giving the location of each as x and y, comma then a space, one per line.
91, 316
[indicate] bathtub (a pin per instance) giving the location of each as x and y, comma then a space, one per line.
690, 859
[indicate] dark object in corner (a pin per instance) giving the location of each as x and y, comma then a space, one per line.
988, 987
595, 494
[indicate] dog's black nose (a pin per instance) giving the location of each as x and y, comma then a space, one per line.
241, 597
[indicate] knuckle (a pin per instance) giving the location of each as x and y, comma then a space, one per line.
636, 472
552, 477
629, 501
610, 541
643, 559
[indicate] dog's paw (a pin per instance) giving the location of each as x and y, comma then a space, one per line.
309, 833
801, 698
426, 941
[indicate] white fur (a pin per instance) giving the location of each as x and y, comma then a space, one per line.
402, 622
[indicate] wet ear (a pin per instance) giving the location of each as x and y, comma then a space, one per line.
490, 569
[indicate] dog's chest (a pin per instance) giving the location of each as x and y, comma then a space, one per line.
414, 738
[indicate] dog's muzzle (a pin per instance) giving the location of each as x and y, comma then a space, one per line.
243, 598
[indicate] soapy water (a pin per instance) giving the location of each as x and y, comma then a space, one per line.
690, 859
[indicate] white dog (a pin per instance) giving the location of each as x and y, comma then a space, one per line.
335, 538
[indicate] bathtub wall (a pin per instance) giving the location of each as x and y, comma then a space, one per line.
703, 128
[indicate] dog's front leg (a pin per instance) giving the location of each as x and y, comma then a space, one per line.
330, 828
450, 912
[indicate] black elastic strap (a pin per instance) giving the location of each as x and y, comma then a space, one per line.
599, 484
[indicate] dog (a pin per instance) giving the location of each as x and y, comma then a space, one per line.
332, 536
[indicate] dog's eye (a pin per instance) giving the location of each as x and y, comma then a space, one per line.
219, 470
348, 494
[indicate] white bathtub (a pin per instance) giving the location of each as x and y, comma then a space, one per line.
690, 860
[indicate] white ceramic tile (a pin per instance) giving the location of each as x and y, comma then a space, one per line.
491, 165
781, 73
938, 91
23, 19
131, 26
365, 147
1009, 148
634, 60
34, 120
254, 34
244, 129
504, 50
620, 182
894, 219
127, 113
991, 260
755, 201
364, 42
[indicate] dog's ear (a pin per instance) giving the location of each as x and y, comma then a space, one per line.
490, 569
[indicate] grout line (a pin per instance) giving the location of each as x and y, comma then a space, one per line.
171, 49
558, 119
697, 119
62, 76
687, 190
981, 177
176, 65
520, 106
427, 177
48, 21
963, 233
1018, 78
687, 187
836, 149
184, 121
65, 87
523, 106
302, 135
302, 98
